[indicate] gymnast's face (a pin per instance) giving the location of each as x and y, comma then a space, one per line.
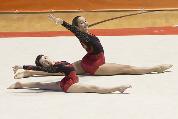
82, 25
46, 61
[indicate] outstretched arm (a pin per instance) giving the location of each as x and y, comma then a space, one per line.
36, 68
83, 37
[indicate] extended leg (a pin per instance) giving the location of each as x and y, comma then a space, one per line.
75, 88
43, 86
84, 88
113, 69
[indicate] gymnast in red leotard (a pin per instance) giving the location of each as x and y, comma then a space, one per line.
94, 61
95, 53
69, 83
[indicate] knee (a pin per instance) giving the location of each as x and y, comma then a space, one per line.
127, 69
41, 85
93, 88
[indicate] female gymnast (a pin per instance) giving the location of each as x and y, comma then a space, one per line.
94, 61
68, 84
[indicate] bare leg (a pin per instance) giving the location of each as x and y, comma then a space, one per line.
75, 88
105, 69
84, 88
113, 69
43, 86
28, 73
78, 68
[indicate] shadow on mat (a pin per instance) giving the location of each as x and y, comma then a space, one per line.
37, 90
44, 91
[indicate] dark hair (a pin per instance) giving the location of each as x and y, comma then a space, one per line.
75, 21
37, 62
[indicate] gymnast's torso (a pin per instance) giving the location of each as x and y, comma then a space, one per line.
89, 41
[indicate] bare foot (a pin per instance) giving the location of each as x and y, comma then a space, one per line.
124, 87
23, 74
163, 67
15, 86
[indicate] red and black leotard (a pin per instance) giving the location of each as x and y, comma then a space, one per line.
95, 52
63, 67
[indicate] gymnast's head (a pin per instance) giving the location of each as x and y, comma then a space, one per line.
44, 61
80, 23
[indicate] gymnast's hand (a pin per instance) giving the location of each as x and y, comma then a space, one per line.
55, 20
16, 67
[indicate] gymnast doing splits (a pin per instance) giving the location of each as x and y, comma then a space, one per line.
70, 83
94, 61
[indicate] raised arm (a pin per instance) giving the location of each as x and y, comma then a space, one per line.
83, 37
72, 28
